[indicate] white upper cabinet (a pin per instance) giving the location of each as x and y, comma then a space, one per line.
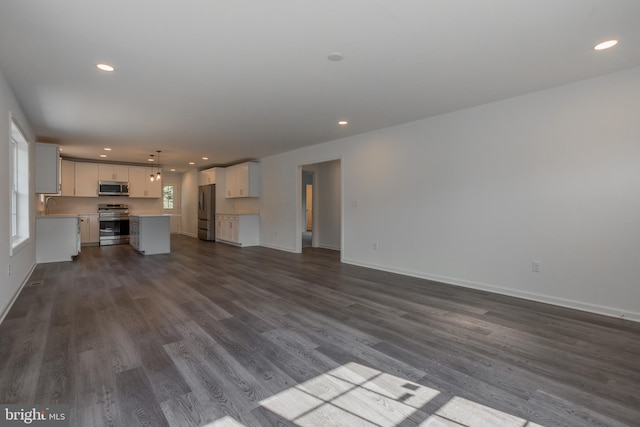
81, 179
86, 179
207, 176
67, 178
242, 180
140, 184
47, 172
113, 173
138, 178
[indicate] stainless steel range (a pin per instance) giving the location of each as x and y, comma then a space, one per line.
114, 224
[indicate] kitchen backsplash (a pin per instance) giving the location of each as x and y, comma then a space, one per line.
75, 205
248, 205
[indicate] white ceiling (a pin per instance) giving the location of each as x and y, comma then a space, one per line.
238, 79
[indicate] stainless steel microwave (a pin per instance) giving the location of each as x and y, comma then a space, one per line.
113, 188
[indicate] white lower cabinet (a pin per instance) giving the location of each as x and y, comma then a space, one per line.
150, 234
238, 229
89, 229
57, 238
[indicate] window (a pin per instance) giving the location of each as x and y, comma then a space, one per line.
19, 173
167, 196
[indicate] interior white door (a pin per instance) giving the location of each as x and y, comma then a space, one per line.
309, 211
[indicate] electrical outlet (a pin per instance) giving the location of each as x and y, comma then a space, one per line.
375, 246
535, 266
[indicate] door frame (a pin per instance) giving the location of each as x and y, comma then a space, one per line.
314, 218
316, 190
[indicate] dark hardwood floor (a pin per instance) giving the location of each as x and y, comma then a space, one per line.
216, 335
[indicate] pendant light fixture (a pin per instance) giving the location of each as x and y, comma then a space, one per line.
153, 160
158, 174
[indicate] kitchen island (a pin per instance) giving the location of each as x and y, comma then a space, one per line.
150, 234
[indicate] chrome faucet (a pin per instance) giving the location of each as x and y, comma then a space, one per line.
46, 204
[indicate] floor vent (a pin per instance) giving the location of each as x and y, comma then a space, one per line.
36, 283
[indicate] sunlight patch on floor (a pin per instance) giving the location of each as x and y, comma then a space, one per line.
356, 395
467, 413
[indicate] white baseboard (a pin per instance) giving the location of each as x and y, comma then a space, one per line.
17, 293
280, 248
547, 299
184, 233
330, 247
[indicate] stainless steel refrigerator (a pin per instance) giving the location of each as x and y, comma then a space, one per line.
206, 212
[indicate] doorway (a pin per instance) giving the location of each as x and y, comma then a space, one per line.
309, 213
307, 206
320, 220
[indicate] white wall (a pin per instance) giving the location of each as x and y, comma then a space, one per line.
189, 203
473, 197
23, 261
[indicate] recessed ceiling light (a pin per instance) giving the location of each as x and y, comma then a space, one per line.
107, 149
105, 67
173, 170
343, 122
335, 57
191, 163
103, 155
150, 160
205, 158
606, 44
